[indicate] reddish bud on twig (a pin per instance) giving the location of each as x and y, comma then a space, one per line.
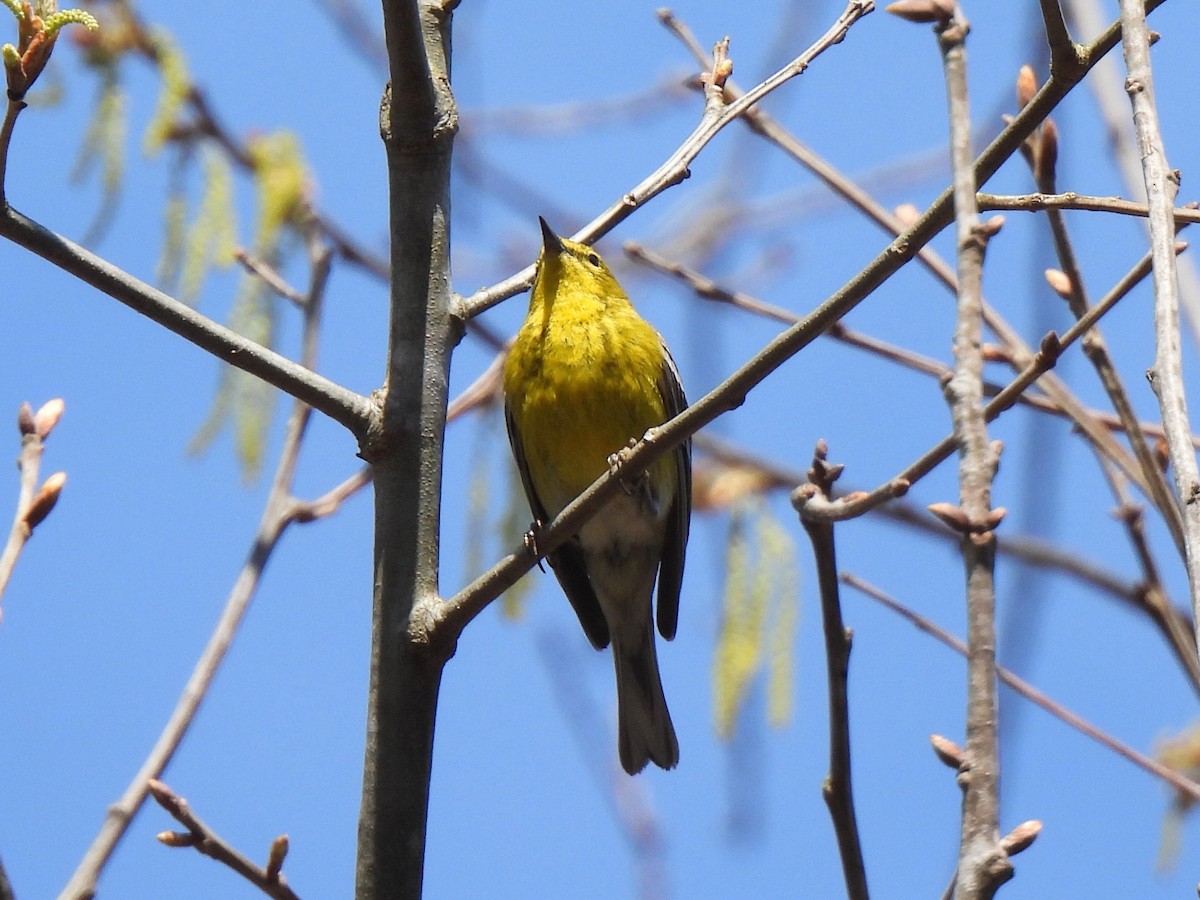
722, 66
47, 417
1049, 350
177, 838
907, 214
278, 852
1027, 86
1021, 837
922, 11
1046, 158
44, 500
995, 353
1128, 512
989, 228
952, 516
947, 751
25, 420
1059, 282
1162, 454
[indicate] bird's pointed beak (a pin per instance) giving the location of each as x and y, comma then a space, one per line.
550, 241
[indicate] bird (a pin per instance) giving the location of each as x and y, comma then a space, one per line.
586, 377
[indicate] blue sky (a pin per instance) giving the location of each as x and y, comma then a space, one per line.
118, 591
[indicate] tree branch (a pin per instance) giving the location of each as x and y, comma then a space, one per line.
33, 503
342, 405
1071, 200
708, 289
268, 879
1167, 375
982, 864
837, 788
1105, 84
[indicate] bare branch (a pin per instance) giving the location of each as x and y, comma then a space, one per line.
1105, 84
204, 840
1167, 375
1071, 200
708, 289
33, 502
837, 787
982, 864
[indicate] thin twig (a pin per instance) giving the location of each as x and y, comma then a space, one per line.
33, 503
12, 110
1071, 200
1043, 157
203, 839
837, 788
1105, 83
982, 864
269, 276
1167, 375
574, 115
1184, 785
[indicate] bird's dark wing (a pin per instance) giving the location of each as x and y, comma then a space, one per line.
670, 572
567, 560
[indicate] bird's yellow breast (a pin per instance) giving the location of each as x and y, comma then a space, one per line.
581, 381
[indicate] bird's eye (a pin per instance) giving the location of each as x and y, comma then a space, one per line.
594, 260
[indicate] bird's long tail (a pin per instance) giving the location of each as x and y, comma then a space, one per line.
645, 732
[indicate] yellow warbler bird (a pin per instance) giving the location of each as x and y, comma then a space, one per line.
585, 376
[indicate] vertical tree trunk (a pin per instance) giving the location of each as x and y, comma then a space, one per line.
417, 122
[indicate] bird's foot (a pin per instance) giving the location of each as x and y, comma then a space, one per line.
531, 543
